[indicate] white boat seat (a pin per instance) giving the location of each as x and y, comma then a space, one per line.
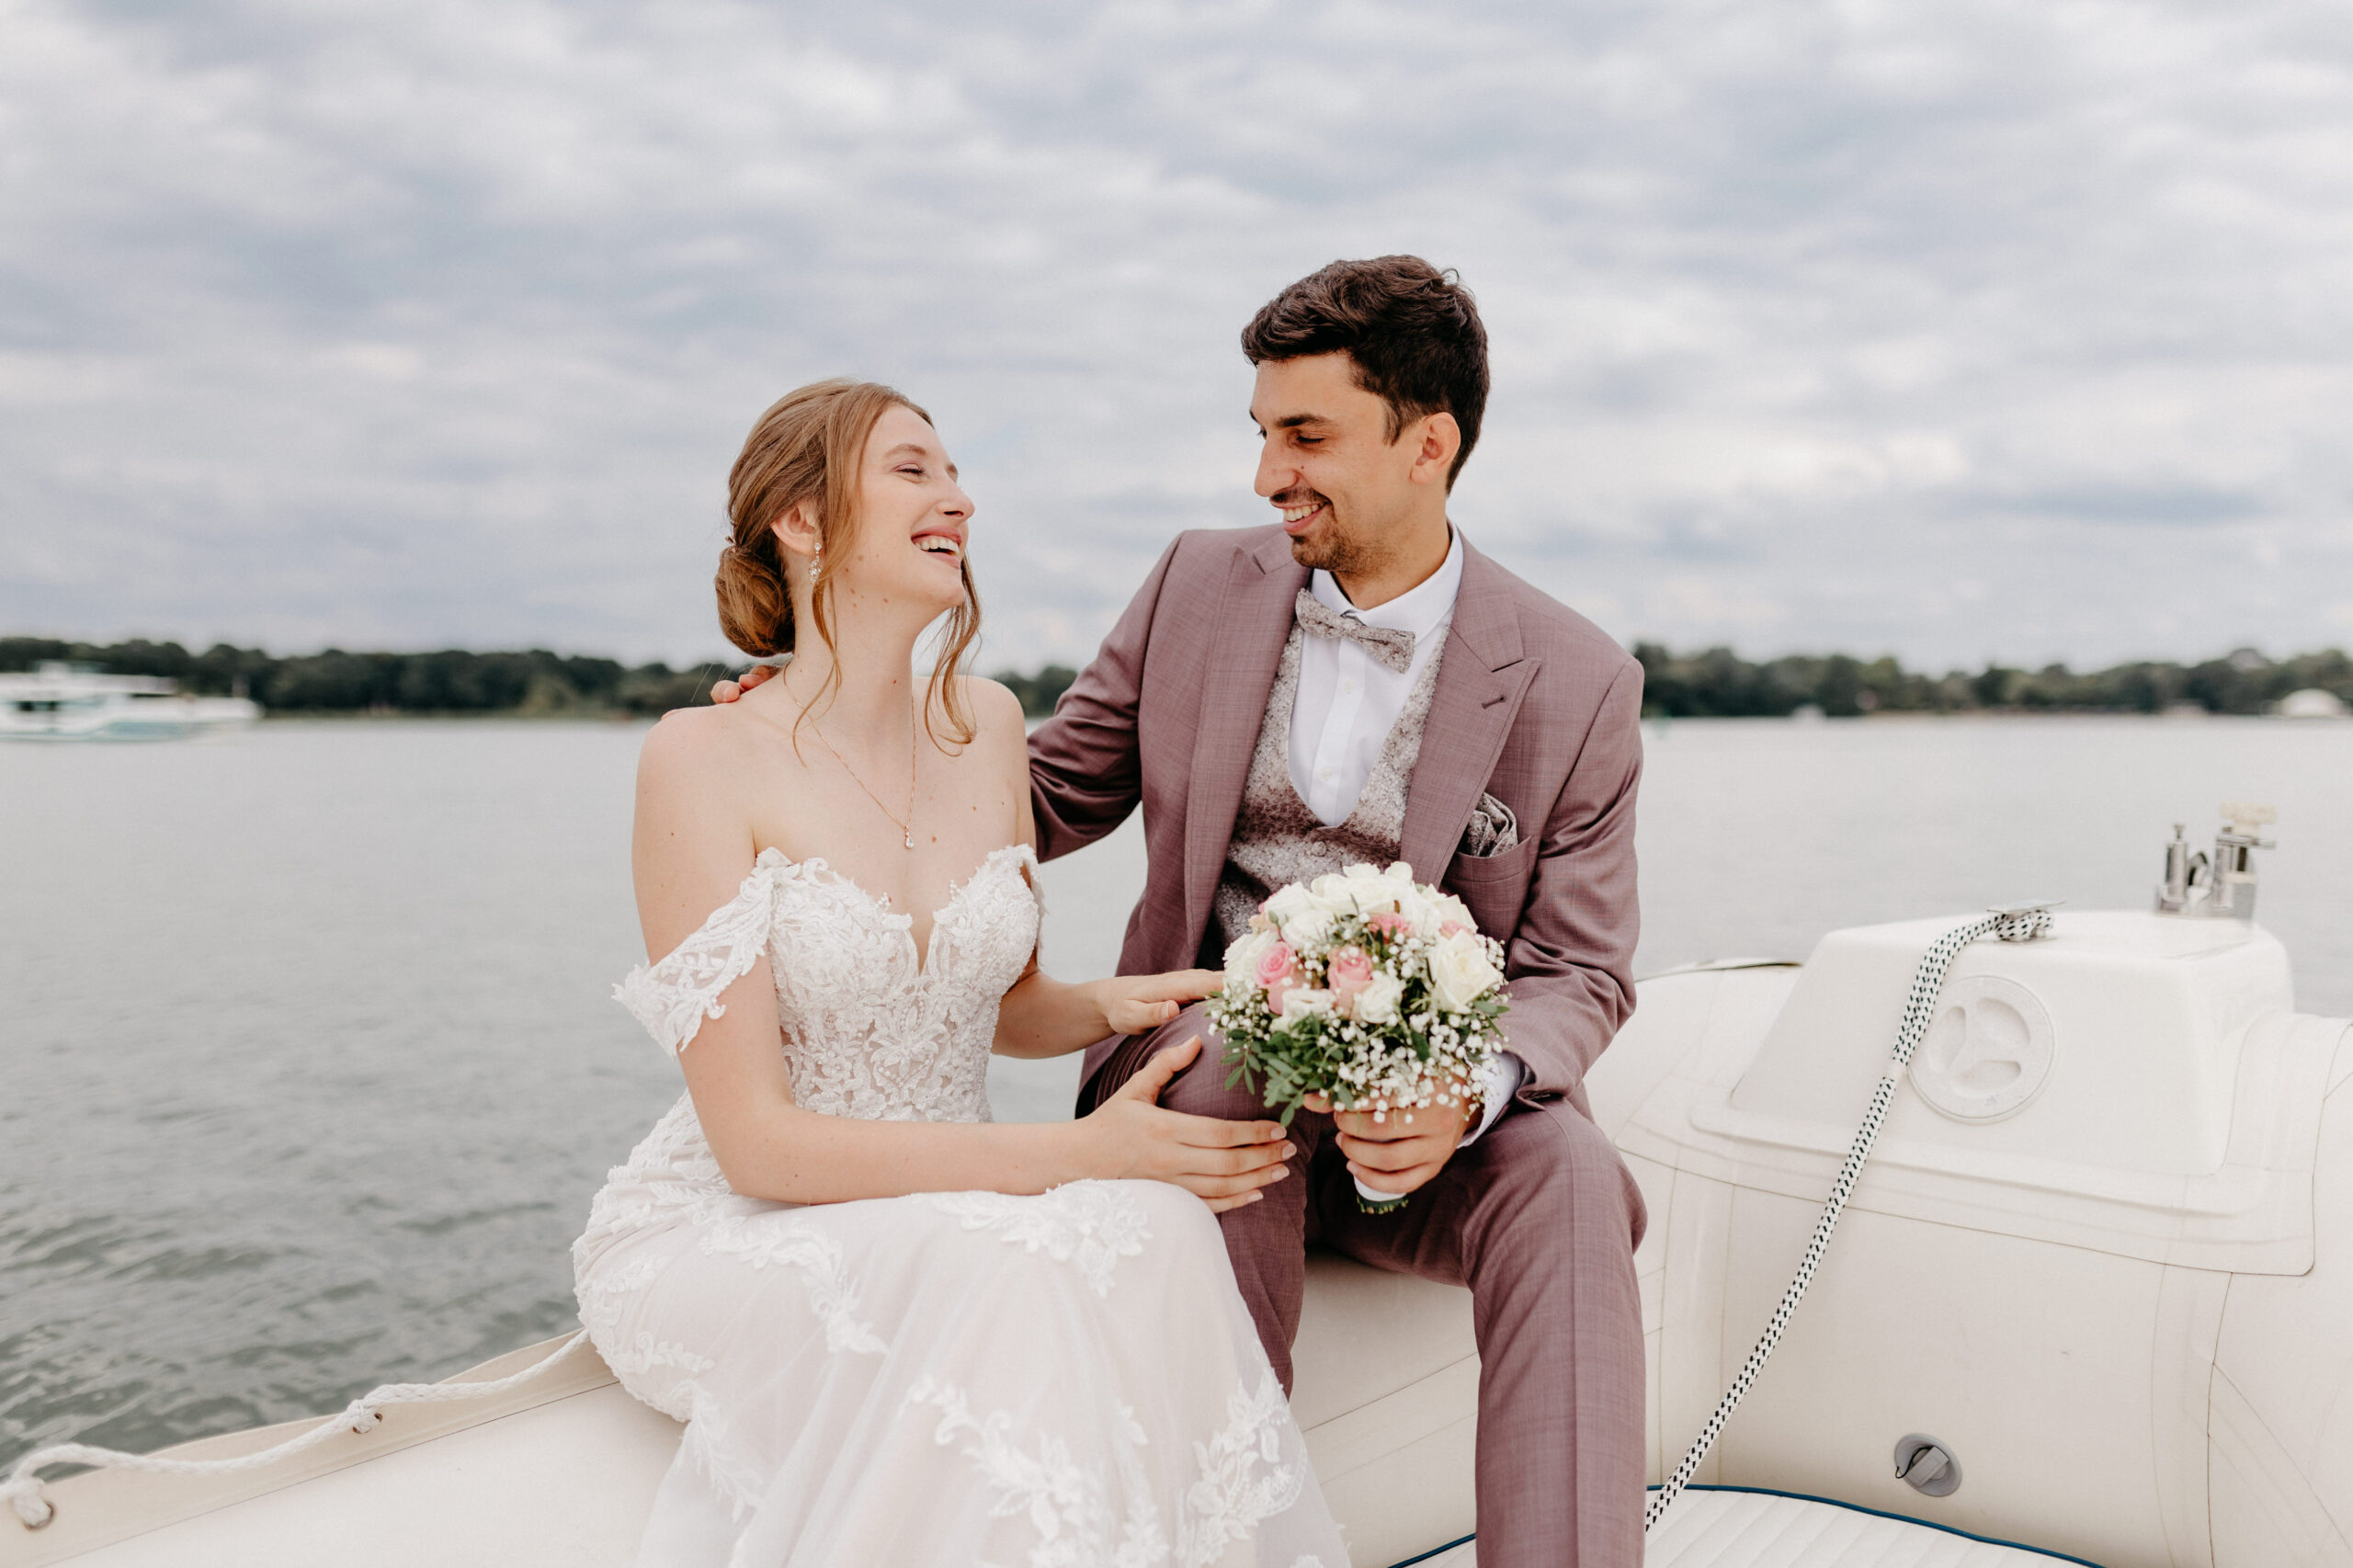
1386, 1391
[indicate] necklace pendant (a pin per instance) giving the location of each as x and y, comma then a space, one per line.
910, 837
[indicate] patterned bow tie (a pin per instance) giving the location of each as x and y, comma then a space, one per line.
1387, 645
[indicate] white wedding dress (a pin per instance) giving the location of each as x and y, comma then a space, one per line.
964, 1378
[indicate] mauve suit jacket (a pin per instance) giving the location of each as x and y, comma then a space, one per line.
1535, 705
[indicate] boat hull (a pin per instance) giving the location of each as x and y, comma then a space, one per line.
156, 720
2125, 1307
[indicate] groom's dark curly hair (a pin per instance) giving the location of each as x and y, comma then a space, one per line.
1412, 330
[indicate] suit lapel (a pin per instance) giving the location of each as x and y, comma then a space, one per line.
1480, 683
1254, 618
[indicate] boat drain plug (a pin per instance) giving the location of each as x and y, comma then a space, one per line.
1926, 1465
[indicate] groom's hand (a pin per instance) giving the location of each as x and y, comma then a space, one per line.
1404, 1150
729, 690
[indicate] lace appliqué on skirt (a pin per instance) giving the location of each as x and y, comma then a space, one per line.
1089, 1225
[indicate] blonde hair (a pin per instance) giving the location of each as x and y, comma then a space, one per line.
807, 447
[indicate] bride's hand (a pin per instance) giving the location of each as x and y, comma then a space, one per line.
1134, 1003
1224, 1163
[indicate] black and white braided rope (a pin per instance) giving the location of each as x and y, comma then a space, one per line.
1919, 1009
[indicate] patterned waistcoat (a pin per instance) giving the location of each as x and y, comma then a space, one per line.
1276, 839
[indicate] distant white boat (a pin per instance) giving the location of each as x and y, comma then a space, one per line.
2313, 702
73, 702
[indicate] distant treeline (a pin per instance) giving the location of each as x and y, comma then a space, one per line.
1714, 683
452, 681
1039, 693
1717, 683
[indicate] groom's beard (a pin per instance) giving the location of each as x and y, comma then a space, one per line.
1327, 548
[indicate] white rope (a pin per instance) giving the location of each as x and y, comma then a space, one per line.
1919, 1008
23, 1492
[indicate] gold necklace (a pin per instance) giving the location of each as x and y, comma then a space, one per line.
905, 825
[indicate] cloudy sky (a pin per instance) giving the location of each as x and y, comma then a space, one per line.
2019, 329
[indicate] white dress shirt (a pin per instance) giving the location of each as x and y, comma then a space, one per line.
1349, 701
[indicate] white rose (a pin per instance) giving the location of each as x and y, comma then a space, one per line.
1288, 902
1304, 920
1419, 912
1446, 906
1339, 895
1242, 958
1461, 971
1301, 1001
1377, 1002
1308, 932
1372, 888
1381, 890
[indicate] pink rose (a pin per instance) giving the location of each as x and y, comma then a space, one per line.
1351, 972
1389, 923
1277, 972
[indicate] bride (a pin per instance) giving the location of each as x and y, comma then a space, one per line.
899, 1335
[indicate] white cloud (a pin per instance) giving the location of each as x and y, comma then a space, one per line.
2001, 331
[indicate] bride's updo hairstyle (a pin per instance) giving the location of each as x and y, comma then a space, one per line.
808, 448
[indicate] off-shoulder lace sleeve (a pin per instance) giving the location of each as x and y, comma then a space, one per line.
672, 998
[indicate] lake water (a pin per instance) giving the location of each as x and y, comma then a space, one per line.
310, 1067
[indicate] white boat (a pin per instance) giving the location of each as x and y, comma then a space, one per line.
2093, 1294
2312, 702
73, 702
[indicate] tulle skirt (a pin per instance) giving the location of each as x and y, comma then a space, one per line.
951, 1378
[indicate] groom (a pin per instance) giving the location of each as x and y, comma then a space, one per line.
1353, 683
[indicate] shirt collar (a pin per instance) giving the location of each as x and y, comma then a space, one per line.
1420, 609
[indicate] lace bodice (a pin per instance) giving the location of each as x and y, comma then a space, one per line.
868, 1031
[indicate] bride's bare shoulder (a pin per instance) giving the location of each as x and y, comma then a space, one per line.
690, 731
998, 724
701, 745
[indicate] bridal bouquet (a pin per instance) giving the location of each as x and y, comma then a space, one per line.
1364, 986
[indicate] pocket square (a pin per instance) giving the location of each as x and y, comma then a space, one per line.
1493, 829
